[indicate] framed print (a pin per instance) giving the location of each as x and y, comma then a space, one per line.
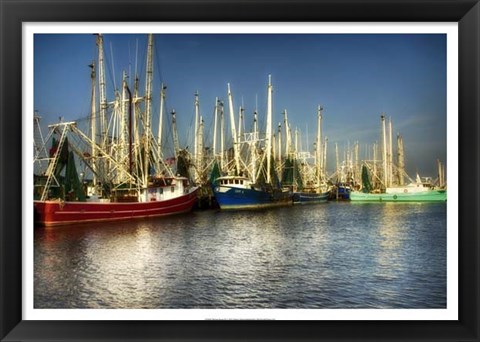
176, 147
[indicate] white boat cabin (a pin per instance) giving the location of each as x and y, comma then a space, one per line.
416, 187
240, 182
164, 188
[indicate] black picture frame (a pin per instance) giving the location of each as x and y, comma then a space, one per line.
13, 13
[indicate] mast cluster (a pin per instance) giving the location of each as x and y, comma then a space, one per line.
124, 151
121, 151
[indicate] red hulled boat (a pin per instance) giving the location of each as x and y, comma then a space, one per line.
59, 212
61, 197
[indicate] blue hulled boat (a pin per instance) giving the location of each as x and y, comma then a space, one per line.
237, 192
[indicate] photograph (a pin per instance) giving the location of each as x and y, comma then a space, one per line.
240, 171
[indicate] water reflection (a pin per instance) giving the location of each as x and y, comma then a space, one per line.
325, 256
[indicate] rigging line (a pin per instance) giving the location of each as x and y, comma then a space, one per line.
109, 69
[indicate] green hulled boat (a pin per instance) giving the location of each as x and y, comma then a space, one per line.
417, 191
430, 195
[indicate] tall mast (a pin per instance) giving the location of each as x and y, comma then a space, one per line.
287, 135
279, 155
200, 151
103, 96
253, 150
222, 135
255, 124
401, 159
348, 158
269, 127
195, 136
130, 135
215, 115
444, 183
390, 151
441, 174
439, 166
124, 122
160, 117
93, 123
114, 134
319, 145
385, 174
176, 144
234, 132
336, 162
148, 101
136, 119
356, 172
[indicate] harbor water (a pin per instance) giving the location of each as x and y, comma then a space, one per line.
331, 255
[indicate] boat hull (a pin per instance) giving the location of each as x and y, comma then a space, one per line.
309, 198
56, 213
231, 198
424, 196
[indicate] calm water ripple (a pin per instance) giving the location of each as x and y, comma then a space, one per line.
334, 255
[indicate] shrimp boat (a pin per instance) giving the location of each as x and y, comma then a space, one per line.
57, 212
393, 188
304, 178
129, 177
237, 192
315, 190
256, 187
167, 196
413, 192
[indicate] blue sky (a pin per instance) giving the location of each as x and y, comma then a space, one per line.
354, 77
